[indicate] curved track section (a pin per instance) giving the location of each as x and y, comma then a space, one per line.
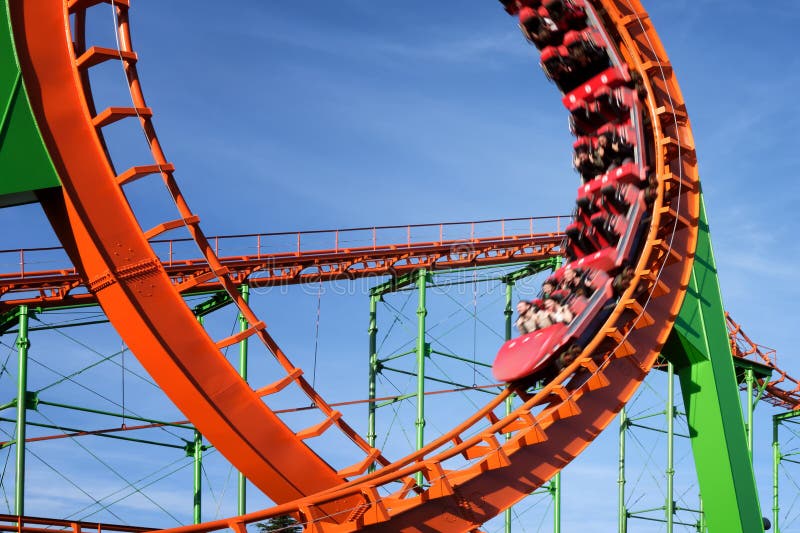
556, 423
546, 432
106, 243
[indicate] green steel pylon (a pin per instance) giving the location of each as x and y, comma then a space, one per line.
700, 350
25, 165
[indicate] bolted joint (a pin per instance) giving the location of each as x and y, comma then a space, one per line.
420, 423
23, 343
32, 400
427, 350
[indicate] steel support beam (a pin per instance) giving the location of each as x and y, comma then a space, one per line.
23, 343
622, 512
422, 353
241, 492
700, 350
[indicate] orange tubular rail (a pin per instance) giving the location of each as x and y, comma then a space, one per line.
555, 424
105, 242
546, 432
55, 287
34, 524
783, 390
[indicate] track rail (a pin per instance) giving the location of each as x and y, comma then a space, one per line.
471, 474
65, 286
105, 242
784, 390
554, 425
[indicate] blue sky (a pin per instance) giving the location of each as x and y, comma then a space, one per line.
292, 116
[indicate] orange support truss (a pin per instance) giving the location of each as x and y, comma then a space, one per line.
65, 286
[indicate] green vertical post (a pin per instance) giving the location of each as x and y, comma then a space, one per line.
241, 494
422, 352
23, 343
509, 313
776, 462
25, 165
372, 330
670, 506
622, 526
749, 379
509, 309
701, 520
197, 452
557, 503
700, 349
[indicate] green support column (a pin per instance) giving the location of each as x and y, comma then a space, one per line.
422, 353
700, 350
776, 462
749, 379
372, 330
556, 489
197, 453
669, 508
25, 165
622, 526
509, 314
23, 343
241, 494
195, 449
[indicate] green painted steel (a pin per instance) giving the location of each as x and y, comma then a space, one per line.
23, 343
622, 511
669, 507
749, 379
197, 453
422, 353
700, 350
372, 331
777, 457
776, 462
241, 493
508, 313
555, 490
25, 165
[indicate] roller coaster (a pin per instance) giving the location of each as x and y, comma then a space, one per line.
638, 235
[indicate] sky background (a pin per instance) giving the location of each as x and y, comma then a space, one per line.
297, 116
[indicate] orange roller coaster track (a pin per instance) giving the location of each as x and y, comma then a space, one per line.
65, 286
551, 427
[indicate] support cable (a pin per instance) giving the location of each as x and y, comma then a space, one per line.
105, 506
123, 382
316, 334
91, 390
87, 347
2, 477
395, 321
116, 473
220, 500
65, 478
474, 328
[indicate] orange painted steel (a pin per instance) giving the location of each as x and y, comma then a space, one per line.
105, 242
547, 431
49, 288
783, 390
554, 425
28, 524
